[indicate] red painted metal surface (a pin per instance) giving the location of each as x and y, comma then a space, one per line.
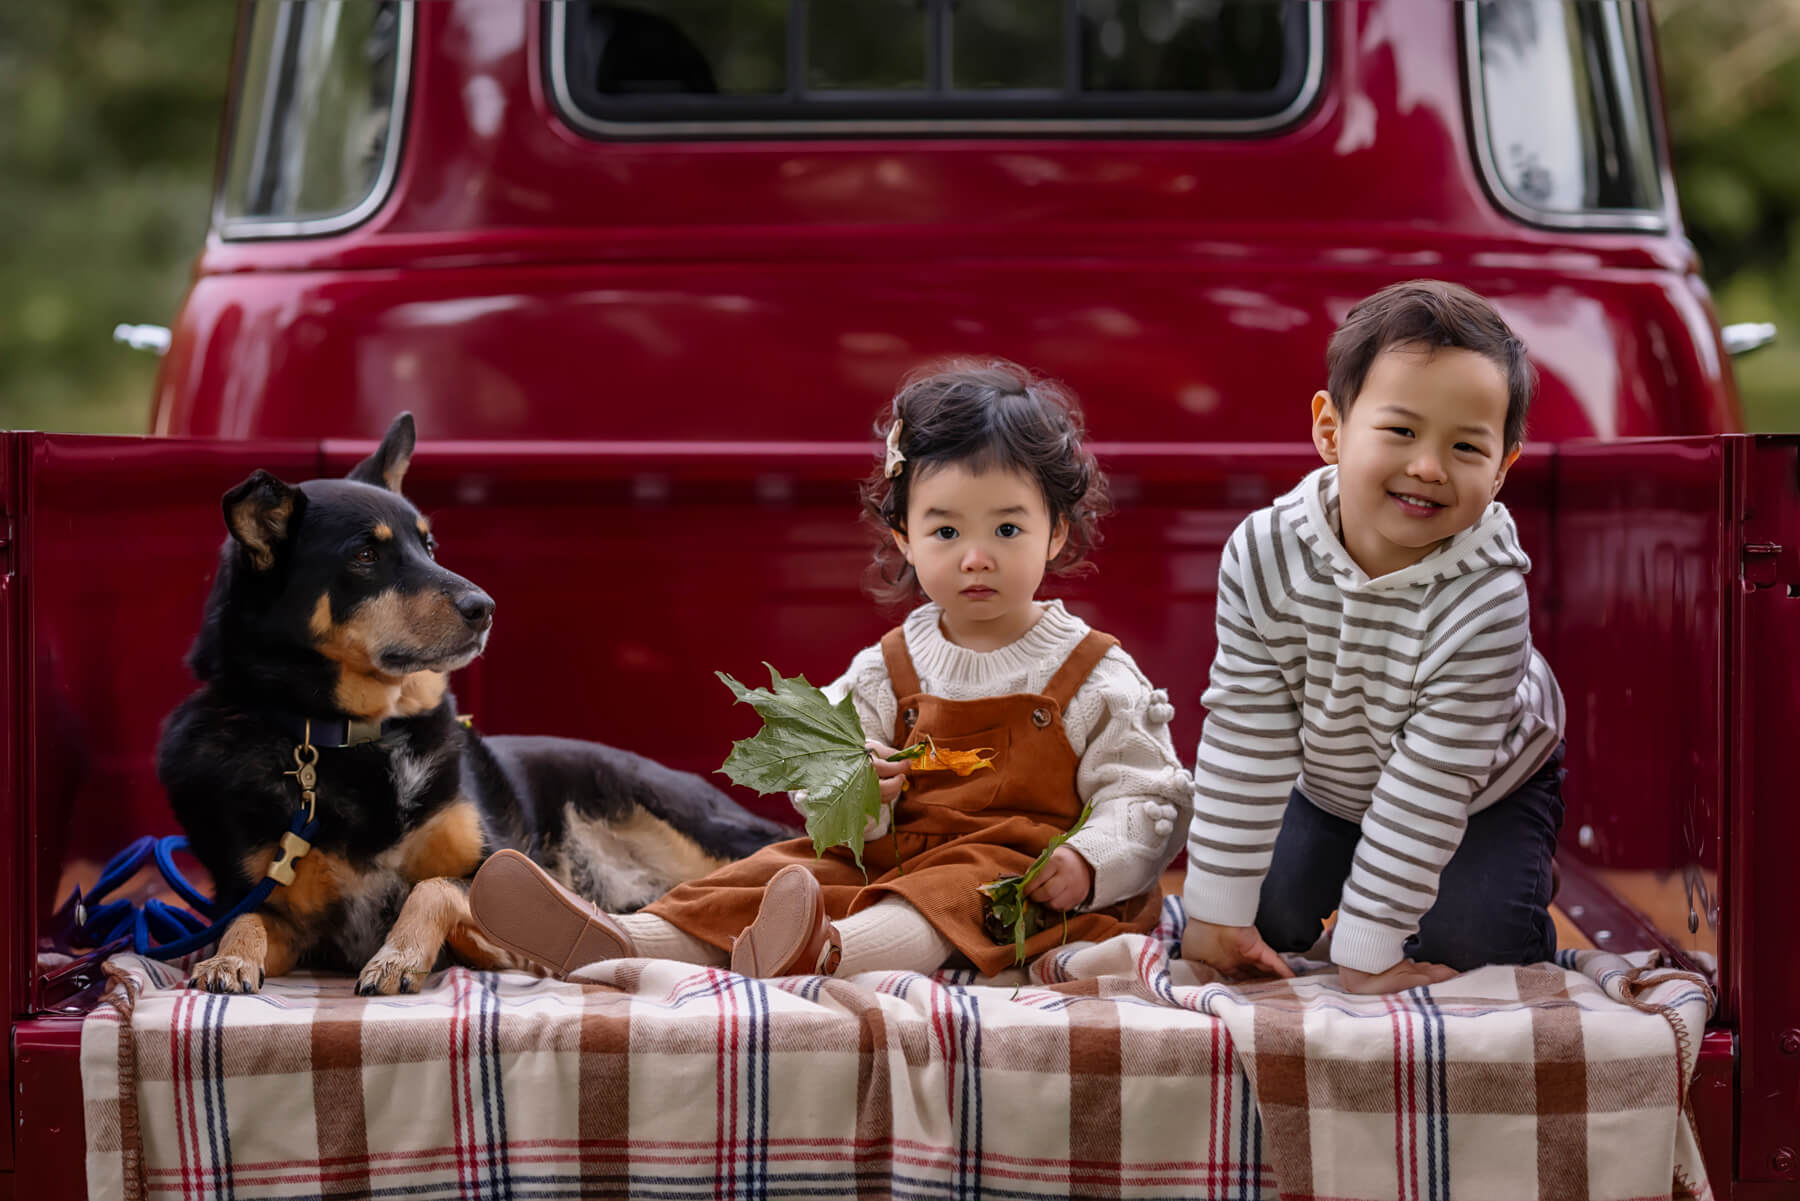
116, 548
1763, 887
47, 1111
17, 929
1712, 1099
1645, 546
524, 281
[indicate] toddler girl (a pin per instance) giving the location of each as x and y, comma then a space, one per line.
985, 486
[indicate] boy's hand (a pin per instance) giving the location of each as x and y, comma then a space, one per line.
1402, 976
1065, 881
1231, 949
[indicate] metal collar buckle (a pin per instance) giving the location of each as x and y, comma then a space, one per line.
293, 846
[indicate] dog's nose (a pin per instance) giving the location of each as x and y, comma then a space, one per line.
477, 608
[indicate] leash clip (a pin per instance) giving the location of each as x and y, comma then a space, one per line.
293, 846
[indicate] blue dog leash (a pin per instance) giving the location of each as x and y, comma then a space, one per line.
159, 930
180, 931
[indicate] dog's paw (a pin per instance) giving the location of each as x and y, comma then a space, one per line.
227, 973
392, 970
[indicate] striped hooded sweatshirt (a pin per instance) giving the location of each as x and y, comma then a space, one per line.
1403, 703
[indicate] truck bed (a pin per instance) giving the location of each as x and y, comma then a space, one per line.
625, 574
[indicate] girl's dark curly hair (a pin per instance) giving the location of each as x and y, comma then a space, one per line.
984, 414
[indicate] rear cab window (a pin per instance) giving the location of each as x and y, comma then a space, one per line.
723, 68
1563, 120
314, 139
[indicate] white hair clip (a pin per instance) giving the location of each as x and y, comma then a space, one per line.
895, 462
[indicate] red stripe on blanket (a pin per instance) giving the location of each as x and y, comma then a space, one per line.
462, 1102
456, 1143
181, 1062
1225, 1074
1412, 1098
940, 1028
719, 1095
725, 1111
1215, 1108
1399, 1109
181, 1142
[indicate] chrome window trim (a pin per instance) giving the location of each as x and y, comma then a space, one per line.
1475, 87
249, 228
586, 122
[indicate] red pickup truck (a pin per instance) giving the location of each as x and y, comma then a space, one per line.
643, 273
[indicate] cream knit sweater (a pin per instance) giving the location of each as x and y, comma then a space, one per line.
1117, 723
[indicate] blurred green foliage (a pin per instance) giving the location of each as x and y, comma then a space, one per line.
1731, 75
110, 125
111, 114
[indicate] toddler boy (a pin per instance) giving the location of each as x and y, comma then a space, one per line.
1381, 737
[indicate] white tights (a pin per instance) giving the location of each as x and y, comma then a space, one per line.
889, 935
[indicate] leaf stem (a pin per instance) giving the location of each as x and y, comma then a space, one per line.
1037, 865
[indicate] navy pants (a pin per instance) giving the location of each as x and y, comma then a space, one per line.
1493, 902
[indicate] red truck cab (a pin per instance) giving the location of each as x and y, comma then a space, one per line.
644, 274
538, 236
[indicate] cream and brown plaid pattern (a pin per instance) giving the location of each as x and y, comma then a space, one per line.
1111, 1072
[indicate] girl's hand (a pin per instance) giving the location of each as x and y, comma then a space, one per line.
891, 775
1402, 976
1065, 881
1231, 949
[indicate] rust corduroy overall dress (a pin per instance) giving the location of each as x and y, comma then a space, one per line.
951, 833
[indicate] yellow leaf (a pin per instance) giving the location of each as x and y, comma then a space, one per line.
938, 758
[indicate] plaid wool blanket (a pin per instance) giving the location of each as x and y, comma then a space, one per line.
1112, 1071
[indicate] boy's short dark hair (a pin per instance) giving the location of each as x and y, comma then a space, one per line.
1433, 314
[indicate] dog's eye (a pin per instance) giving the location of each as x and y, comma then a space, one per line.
431, 547
367, 555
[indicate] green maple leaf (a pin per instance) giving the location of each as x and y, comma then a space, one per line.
1011, 916
808, 744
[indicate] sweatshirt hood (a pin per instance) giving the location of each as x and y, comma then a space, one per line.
1311, 510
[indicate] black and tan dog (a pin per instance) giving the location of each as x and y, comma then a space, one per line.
330, 622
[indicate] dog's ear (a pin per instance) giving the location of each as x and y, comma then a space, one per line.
260, 512
387, 466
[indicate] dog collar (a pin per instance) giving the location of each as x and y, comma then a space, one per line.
333, 732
